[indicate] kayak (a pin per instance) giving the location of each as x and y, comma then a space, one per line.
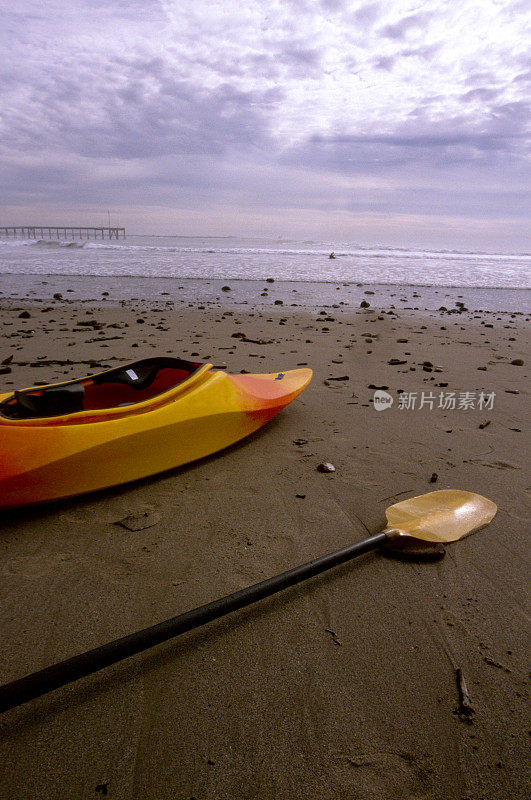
127, 423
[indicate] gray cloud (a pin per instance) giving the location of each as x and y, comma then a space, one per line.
388, 62
385, 62
483, 94
400, 29
426, 52
137, 108
333, 5
523, 77
500, 141
368, 14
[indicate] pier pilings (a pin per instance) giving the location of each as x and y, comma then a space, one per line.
60, 232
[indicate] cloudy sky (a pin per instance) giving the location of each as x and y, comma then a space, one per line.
398, 122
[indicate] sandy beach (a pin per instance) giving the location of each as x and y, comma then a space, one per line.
344, 688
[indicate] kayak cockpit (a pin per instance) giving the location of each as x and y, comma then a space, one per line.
114, 388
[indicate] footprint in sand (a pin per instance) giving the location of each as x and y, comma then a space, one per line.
383, 775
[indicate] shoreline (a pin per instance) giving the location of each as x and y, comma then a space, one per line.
345, 686
296, 294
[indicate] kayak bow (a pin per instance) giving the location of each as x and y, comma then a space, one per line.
127, 423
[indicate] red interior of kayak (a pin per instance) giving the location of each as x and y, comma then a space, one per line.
110, 395
134, 383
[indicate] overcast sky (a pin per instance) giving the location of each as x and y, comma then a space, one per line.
397, 122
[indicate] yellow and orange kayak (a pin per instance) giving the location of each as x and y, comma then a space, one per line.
129, 422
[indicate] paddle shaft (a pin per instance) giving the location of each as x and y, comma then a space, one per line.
46, 680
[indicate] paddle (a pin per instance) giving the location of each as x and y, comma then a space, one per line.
442, 516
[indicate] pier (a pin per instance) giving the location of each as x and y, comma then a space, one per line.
60, 232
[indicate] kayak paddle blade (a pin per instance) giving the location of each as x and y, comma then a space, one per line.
443, 516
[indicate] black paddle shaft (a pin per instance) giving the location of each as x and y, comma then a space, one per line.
46, 680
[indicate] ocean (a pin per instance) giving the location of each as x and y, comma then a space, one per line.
144, 264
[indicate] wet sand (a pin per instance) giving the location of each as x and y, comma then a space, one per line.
345, 687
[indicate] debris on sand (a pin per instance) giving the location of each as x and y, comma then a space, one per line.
140, 521
466, 709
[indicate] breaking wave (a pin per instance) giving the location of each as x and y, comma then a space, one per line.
283, 259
